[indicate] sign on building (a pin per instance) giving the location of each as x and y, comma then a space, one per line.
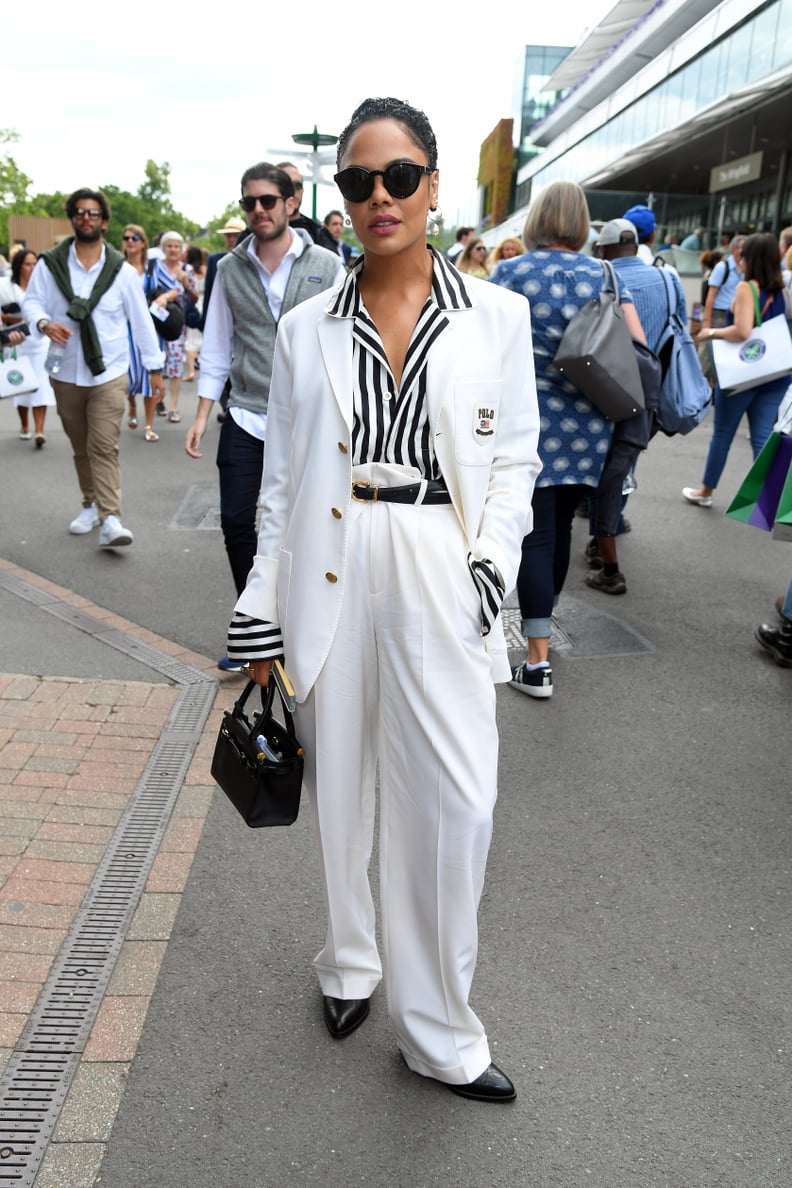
736, 173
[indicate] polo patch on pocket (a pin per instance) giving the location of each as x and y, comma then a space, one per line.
484, 421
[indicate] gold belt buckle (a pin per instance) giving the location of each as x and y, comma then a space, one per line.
358, 499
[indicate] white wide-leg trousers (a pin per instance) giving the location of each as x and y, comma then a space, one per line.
407, 683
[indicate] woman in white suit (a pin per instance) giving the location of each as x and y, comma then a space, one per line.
399, 466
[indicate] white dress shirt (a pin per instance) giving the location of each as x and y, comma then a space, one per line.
123, 302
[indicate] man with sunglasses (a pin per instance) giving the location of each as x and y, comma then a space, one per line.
274, 269
81, 296
297, 220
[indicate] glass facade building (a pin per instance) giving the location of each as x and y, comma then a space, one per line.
531, 102
682, 94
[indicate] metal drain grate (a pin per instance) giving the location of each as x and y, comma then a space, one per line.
39, 1072
37, 1077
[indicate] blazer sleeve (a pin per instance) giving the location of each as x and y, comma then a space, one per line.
259, 599
507, 514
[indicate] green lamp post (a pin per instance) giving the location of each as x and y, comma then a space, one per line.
314, 139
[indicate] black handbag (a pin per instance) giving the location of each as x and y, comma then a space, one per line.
597, 355
170, 327
258, 761
193, 318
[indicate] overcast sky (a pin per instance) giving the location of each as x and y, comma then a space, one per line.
93, 93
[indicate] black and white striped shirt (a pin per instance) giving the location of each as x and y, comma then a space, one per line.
390, 424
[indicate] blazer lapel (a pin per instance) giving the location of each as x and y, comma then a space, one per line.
335, 340
445, 363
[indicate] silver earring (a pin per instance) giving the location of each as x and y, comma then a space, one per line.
347, 221
434, 214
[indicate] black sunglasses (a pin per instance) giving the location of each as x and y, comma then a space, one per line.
131, 239
401, 179
266, 201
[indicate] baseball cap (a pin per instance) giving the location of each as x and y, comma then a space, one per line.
643, 219
617, 231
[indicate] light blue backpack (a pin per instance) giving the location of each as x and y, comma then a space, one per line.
685, 393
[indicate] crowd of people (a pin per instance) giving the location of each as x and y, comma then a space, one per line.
586, 462
423, 456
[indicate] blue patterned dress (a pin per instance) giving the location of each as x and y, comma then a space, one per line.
574, 437
174, 351
139, 379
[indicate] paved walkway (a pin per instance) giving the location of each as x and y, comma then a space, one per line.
634, 970
72, 753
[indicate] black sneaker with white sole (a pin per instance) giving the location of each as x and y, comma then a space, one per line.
535, 682
593, 554
614, 583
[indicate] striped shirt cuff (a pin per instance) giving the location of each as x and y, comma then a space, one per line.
253, 639
491, 588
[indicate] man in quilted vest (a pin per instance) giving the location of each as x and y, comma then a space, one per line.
271, 271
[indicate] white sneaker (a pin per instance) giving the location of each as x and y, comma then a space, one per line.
689, 493
113, 533
87, 520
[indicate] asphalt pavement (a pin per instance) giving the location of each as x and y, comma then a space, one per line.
634, 970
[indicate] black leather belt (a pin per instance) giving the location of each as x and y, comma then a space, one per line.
433, 491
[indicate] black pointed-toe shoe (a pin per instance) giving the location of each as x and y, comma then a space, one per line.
343, 1015
492, 1085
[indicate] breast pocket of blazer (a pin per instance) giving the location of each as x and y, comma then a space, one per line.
476, 411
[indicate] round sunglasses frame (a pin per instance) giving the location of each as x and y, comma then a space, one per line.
357, 184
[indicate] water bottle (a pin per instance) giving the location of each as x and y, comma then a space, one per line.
54, 359
265, 749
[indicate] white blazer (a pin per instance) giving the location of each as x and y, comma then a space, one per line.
483, 413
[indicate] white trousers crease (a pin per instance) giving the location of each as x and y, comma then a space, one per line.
407, 683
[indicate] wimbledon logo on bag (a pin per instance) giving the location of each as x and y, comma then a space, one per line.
15, 377
752, 351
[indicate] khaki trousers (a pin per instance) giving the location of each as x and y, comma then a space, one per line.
92, 419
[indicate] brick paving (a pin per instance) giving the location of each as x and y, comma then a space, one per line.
71, 754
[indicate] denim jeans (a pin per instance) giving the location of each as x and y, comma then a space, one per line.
761, 405
240, 460
786, 606
545, 556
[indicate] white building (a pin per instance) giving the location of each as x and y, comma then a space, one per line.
680, 104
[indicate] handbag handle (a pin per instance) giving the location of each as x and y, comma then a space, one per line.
268, 693
757, 312
610, 280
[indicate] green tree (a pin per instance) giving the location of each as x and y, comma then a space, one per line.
14, 184
152, 216
151, 207
156, 190
49, 206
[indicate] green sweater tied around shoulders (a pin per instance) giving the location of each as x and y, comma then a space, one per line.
81, 308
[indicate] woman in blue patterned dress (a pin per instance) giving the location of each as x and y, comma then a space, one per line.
135, 247
574, 437
177, 277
